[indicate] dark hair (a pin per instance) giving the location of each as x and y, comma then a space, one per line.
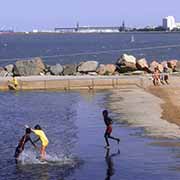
105, 112
37, 127
28, 130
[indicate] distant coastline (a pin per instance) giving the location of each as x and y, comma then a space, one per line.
127, 32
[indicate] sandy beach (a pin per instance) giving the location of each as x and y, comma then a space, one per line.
170, 94
155, 109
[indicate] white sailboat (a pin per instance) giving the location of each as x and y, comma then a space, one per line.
132, 39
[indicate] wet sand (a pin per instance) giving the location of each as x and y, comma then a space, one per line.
143, 109
170, 94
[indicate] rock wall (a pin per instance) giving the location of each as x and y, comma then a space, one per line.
124, 64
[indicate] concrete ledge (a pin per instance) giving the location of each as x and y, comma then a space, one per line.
74, 82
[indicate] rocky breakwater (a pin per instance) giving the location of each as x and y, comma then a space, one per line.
41, 75
124, 64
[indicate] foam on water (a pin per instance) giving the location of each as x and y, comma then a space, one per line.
31, 157
141, 109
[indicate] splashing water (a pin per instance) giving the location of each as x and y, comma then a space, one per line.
32, 157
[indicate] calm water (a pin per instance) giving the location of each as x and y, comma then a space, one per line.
75, 128
73, 48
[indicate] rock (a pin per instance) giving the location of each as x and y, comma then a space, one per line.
172, 64
164, 64
47, 69
48, 74
70, 69
126, 63
1, 69
29, 67
3, 73
107, 69
177, 68
9, 68
142, 64
126, 59
135, 73
101, 70
10, 74
110, 68
138, 73
88, 66
56, 69
92, 73
155, 64
42, 74
78, 74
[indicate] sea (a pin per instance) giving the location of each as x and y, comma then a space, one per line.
73, 122
74, 48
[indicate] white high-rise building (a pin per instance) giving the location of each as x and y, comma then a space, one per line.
169, 23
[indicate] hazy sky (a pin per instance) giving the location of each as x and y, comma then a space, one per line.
47, 14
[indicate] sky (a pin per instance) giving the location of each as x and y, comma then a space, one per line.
26, 15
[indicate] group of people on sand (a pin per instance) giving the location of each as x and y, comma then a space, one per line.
44, 140
160, 78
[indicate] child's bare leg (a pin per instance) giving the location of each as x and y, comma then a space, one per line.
43, 152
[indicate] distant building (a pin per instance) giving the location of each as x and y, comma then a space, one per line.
87, 29
123, 26
65, 30
35, 31
169, 23
77, 27
178, 25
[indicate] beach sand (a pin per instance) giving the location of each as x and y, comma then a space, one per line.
170, 94
155, 109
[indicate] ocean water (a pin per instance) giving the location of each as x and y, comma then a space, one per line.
75, 128
74, 48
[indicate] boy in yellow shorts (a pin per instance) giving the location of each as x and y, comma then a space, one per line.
42, 137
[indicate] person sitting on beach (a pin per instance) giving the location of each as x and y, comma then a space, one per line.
44, 140
156, 76
22, 142
108, 131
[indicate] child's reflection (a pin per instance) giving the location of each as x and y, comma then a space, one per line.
110, 164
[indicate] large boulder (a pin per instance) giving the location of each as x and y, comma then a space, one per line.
126, 63
29, 67
70, 69
154, 64
172, 64
9, 68
88, 66
107, 69
56, 69
3, 72
101, 70
142, 64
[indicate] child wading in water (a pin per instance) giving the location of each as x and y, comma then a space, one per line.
107, 134
44, 140
22, 142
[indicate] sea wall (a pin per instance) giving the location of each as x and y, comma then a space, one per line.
73, 82
32, 74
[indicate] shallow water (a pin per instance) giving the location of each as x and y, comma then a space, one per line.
74, 126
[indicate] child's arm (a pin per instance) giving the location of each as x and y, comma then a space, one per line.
33, 143
35, 133
22, 142
36, 140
